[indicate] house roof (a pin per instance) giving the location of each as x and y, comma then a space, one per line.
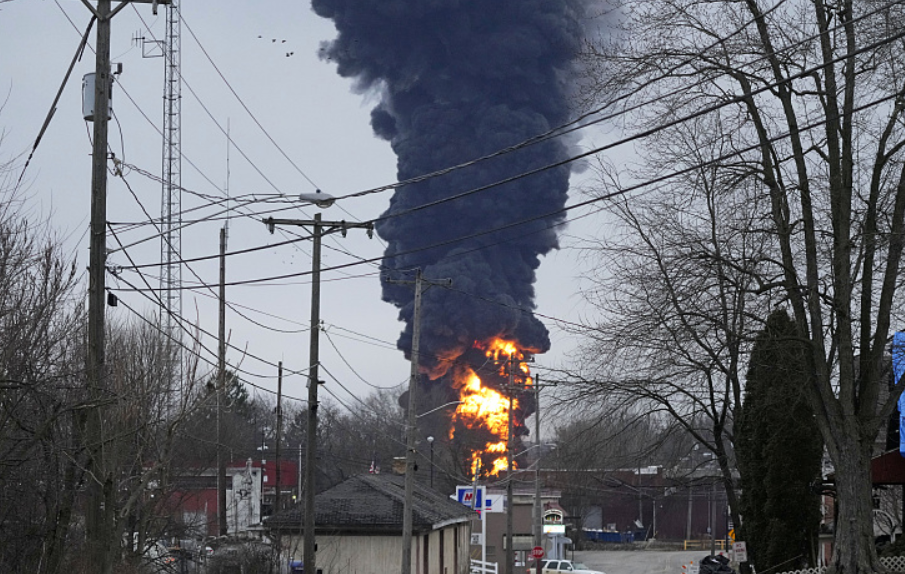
373, 503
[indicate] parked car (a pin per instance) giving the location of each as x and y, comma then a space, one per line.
557, 566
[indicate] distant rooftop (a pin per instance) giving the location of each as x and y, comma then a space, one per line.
373, 503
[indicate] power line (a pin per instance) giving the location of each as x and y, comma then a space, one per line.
351, 368
253, 198
211, 115
604, 197
600, 149
245, 107
555, 131
181, 323
254, 118
202, 358
183, 262
597, 150
145, 116
181, 319
369, 339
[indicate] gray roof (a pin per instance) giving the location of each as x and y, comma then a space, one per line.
373, 503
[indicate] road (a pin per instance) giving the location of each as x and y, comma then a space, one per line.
639, 561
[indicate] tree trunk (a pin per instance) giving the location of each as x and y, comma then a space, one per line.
854, 551
60, 529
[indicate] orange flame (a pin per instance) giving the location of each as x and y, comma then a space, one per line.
488, 409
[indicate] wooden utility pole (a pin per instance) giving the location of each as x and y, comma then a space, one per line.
320, 228
276, 497
414, 375
510, 552
310, 548
221, 387
100, 512
538, 514
411, 426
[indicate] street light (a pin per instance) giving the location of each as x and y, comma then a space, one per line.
318, 198
430, 441
320, 228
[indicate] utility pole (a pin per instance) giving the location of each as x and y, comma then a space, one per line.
640, 498
319, 228
510, 551
688, 522
410, 434
712, 516
276, 498
100, 512
221, 385
538, 515
411, 425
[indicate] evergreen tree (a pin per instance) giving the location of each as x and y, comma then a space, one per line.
779, 451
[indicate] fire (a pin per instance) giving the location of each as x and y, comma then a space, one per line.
487, 409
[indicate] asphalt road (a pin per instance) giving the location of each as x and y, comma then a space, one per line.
639, 561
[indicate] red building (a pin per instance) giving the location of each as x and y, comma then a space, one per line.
251, 488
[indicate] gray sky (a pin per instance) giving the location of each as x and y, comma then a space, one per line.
304, 106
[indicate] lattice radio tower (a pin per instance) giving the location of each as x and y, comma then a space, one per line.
171, 194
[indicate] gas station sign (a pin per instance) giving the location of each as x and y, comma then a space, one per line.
477, 498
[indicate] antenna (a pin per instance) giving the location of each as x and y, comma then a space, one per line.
229, 143
149, 48
171, 194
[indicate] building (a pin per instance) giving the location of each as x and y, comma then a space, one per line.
250, 495
358, 528
624, 505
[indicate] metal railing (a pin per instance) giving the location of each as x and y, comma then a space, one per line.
478, 567
704, 544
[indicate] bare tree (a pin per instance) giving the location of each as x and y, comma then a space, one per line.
148, 409
816, 89
351, 438
39, 388
677, 290
42, 397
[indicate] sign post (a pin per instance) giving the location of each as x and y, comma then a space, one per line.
537, 553
740, 551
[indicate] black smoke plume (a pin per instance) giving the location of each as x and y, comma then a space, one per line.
460, 79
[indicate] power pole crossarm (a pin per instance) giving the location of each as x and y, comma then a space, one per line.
326, 227
122, 5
